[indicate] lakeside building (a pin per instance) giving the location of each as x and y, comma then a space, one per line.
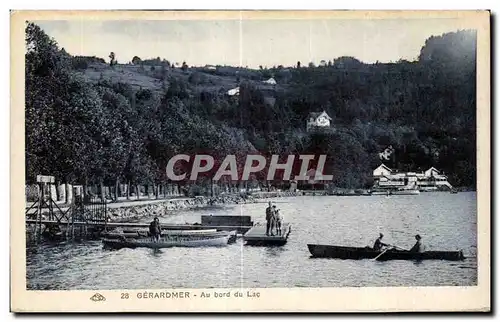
430, 180
317, 121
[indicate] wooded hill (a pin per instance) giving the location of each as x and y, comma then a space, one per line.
90, 122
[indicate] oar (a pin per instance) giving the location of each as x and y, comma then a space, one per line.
381, 254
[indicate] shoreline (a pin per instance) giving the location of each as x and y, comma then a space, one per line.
126, 210
149, 208
120, 212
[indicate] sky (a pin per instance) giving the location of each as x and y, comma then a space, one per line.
249, 42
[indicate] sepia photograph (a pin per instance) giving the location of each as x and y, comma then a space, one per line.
219, 155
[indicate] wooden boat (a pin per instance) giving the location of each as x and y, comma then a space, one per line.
145, 233
328, 251
167, 241
171, 234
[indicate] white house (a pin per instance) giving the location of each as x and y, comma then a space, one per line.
381, 171
318, 120
431, 172
270, 81
234, 91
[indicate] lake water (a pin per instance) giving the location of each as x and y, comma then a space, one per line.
445, 221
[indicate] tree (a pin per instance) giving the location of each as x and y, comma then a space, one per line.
136, 60
47, 79
112, 59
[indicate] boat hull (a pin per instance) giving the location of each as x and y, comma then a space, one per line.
166, 242
180, 233
341, 252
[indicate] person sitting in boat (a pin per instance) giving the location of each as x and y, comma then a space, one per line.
155, 229
378, 243
269, 216
419, 246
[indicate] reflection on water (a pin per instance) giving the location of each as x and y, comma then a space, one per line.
445, 221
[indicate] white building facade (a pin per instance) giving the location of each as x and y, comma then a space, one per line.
318, 120
430, 180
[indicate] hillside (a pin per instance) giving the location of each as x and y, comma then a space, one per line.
122, 123
157, 77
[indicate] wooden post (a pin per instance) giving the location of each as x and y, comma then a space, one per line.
66, 194
58, 195
51, 209
117, 189
39, 208
73, 220
102, 190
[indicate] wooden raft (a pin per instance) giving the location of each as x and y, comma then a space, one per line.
257, 235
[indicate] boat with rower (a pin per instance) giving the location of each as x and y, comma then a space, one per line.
343, 252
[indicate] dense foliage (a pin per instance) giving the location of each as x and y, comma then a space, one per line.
108, 132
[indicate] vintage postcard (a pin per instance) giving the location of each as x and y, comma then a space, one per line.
250, 161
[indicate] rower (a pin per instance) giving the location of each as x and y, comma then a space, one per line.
378, 243
419, 246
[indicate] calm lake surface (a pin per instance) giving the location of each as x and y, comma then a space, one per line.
445, 221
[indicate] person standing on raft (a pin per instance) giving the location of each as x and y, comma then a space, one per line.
269, 217
155, 229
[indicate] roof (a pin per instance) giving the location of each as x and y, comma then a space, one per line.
315, 115
384, 166
270, 81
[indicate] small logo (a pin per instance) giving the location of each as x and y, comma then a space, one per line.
98, 297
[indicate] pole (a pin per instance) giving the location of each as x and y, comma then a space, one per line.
39, 208
39, 223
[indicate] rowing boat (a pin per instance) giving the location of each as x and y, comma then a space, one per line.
144, 233
167, 241
342, 252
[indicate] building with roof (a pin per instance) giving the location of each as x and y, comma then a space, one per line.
318, 120
429, 180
